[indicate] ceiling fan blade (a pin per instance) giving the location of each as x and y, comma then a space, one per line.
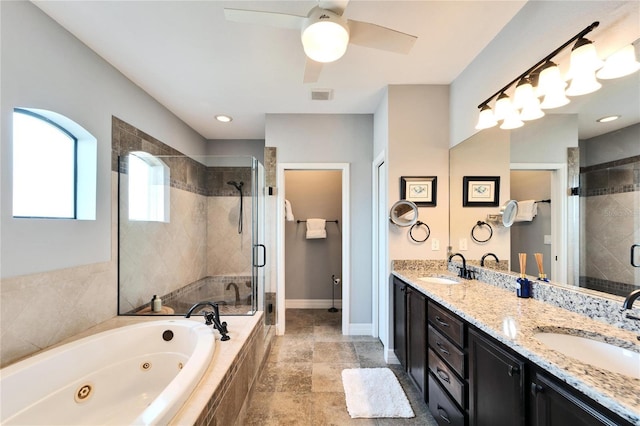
273, 19
311, 71
377, 37
336, 6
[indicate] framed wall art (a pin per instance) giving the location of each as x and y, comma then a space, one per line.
480, 191
421, 190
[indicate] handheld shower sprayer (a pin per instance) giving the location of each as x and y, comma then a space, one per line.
238, 186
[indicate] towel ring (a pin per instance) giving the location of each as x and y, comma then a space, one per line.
478, 226
418, 223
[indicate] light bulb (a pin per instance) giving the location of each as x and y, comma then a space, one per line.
621, 63
485, 118
502, 107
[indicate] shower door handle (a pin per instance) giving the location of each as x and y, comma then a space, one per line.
633, 250
264, 255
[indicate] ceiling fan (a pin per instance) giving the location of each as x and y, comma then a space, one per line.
326, 33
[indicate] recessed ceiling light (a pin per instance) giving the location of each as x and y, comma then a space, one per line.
607, 118
223, 118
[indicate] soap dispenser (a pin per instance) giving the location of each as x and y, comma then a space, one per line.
156, 303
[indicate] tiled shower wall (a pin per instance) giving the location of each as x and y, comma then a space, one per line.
610, 200
201, 239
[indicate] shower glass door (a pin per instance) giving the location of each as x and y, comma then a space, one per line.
610, 226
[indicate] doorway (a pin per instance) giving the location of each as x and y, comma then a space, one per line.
308, 249
556, 242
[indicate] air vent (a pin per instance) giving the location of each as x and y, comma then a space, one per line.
321, 94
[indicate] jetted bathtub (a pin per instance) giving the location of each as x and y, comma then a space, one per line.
138, 374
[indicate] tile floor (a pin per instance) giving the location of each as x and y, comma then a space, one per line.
301, 382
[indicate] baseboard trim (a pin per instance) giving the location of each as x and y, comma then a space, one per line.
312, 303
390, 357
360, 329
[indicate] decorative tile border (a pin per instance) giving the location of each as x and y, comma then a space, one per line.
186, 173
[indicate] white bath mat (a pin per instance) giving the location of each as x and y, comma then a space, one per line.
374, 392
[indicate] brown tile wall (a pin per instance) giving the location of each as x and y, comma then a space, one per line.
228, 401
186, 173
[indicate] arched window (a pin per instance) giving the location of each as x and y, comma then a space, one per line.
44, 167
148, 188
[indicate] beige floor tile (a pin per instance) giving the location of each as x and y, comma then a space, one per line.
334, 352
285, 377
301, 384
327, 377
330, 409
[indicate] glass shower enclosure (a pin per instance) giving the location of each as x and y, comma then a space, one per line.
190, 229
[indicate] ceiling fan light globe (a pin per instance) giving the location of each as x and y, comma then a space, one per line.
325, 35
325, 41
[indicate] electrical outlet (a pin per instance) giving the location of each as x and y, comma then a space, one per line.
435, 244
463, 244
547, 239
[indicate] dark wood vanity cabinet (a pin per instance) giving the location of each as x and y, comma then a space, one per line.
469, 378
417, 338
400, 320
555, 404
447, 366
497, 385
410, 332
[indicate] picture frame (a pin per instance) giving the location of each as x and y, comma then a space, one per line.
480, 191
421, 190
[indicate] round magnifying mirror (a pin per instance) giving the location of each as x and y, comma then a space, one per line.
509, 211
403, 213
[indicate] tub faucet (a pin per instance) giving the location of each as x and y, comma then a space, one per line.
212, 318
484, 256
463, 272
235, 287
628, 304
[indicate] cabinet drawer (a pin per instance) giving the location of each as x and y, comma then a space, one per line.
446, 350
447, 378
446, 323
443, 409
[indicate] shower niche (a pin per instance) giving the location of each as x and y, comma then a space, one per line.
190, 229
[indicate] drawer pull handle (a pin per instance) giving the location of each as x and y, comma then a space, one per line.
513, 370
536, 389
442, 349
443, 375
442, 322
444, 416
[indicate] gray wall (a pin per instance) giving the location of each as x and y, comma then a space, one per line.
67, 268
236, 147
44, 66
309, 263
319, 138
611, 146
524, 40
528, 237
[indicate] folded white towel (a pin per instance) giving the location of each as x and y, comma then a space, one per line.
527, 210
288, 211
316, 229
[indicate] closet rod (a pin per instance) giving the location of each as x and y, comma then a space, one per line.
334, 221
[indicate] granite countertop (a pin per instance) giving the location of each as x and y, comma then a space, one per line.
514, 321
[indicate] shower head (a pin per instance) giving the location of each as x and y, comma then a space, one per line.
237, 185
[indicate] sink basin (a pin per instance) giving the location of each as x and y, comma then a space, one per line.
599, 354
438, 280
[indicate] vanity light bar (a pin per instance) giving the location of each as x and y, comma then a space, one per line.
543, 79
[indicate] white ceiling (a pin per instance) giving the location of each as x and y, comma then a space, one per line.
185, 55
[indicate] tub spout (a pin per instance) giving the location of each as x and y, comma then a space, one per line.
212, 318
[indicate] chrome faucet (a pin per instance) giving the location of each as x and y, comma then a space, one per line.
485, 256
463, 272
628, 304
212, 318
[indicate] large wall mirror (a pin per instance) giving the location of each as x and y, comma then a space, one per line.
586, 240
